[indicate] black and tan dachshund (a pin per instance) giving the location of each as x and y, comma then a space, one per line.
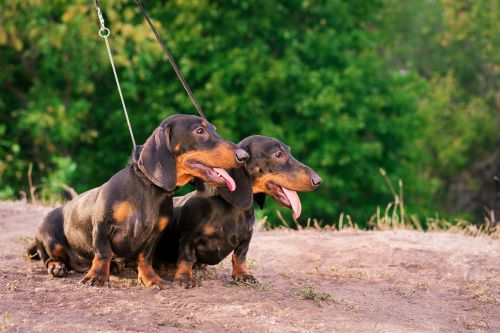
208, 225
124, 217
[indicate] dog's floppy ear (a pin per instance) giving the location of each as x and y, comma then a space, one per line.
241, 197
156, 160
260, 199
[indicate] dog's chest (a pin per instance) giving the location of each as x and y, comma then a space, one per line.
221, 236
143, 226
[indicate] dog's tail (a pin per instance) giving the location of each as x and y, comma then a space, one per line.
32, 251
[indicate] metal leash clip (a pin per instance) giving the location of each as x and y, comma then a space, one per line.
103, 32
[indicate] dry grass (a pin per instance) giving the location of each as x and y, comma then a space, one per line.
481, 291
170, 323
250, 263
36, 199
5, 322
473, 322
395, 217
340, 274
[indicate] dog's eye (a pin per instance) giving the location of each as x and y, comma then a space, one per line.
200, 130
279, 155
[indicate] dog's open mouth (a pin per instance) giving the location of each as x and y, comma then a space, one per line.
213, 175
285, 197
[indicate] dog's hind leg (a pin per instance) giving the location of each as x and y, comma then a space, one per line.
32, 251
54, 259
51, 244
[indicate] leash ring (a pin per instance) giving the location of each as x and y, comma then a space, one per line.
104, 32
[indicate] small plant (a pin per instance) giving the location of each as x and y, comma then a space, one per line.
404, 293
335, 269
254, 285
359, 275
423, 285
309, 292
170, 323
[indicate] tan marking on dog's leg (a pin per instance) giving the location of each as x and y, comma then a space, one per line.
58, 251
208, 230
162, 222
239, 268
100, 267
184, 268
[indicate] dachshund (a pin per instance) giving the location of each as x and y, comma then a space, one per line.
209, 225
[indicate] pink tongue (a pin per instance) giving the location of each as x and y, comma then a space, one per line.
227, 178
294, 201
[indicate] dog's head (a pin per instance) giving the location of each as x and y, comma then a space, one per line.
184, 147
270, 170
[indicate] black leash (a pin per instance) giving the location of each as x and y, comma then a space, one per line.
171, 60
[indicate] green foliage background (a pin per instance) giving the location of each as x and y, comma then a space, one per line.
352, 86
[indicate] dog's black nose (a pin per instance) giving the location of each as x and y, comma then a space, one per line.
316, 180
241, 156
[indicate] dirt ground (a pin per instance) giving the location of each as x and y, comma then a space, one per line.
387, 281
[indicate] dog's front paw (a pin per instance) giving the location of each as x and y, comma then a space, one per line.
153, 281
94, 279
158, 284
247, 278
184, 280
